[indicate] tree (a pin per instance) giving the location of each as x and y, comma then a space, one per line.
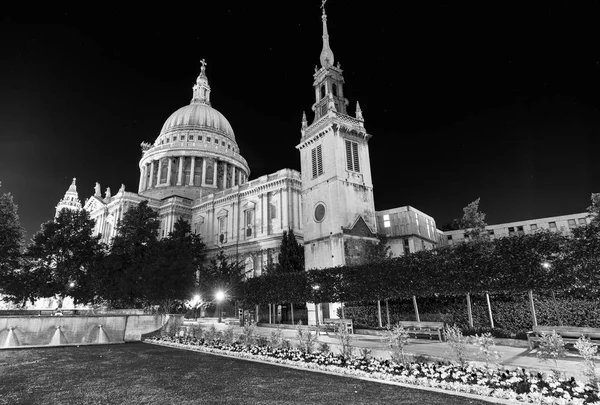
133, 254
291, 254
222, 274
173, 276
378, 252
63, 256
473, 221
594, 209
12, 237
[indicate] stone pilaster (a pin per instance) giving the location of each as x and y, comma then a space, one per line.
192, 170
151, 180
180, 172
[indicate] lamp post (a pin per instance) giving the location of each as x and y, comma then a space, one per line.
219, 296
316, 288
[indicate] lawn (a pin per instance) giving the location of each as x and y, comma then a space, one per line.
139, 373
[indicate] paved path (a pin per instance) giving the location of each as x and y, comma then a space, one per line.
510, 356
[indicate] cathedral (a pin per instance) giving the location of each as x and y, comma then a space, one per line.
195, 170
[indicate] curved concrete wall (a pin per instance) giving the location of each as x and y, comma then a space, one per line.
22, 331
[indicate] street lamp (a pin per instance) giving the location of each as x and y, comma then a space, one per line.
219, 296
316, 288
546, 265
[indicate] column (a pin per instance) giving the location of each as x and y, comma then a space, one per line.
204, 171
240, 177
151, 179
285, 215
215, 166
224, 175
233, 169
192, 170
235, 221
264, 223
169, 172
158, 174
142, 170
180, 174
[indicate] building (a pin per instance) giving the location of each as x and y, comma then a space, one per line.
408, 230
195, 170
562, 223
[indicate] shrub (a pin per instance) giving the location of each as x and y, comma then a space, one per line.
485, 342
457, 342
228, 336
551, 348
196, 331
588, 351
276, 338
306, 338
324, 348
366, 353
212, 334
344, 337
397, 339
247, 335
261, 341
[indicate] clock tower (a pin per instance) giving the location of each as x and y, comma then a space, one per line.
337, 190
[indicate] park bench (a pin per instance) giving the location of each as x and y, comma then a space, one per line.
331, 325
569, 334
424, 328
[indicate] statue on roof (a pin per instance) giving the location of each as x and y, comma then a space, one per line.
97, 190
122, 189
107, 195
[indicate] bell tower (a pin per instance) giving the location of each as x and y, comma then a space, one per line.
337, 189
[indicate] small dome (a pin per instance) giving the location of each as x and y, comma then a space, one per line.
198, 116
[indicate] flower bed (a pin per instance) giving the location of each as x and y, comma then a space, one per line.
513, 384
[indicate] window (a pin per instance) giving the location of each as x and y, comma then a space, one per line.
208, 139
228, 146
199, 137
406, 246
552, 225
249, 222
334, 89
317, 161
191, 137
216, 141
223, 229
520, 230
319, 212
449, 237
572, 223
352, 156
386, 221
582, 222
511, 230
182, 138
491, 232
322, 91
222, 143
272, 210
533, 227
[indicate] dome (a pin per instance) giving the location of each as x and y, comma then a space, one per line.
198, 116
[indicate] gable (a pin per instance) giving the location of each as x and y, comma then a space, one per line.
360, 228
93, 203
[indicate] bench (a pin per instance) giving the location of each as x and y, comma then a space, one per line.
424, 328
331, 325
569, 334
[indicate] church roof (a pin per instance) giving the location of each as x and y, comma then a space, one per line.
198, 116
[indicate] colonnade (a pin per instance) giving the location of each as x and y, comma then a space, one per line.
190, 171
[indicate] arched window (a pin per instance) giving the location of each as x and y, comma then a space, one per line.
249, 266
334, 89
322, 91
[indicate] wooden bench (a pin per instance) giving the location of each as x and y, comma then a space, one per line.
569, 334
424, 328
331, 325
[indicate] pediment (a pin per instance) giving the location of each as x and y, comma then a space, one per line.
249, 205
93, 203
360, 228
222, 213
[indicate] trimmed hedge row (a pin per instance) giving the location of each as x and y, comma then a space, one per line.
512, 315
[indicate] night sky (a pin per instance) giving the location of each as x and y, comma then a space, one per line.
499, 102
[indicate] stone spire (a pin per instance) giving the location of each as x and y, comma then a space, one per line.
326, 54
70, 201
359, 115
201, 88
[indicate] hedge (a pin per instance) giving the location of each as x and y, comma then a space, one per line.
511, 314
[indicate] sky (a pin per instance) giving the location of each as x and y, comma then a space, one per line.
498, 102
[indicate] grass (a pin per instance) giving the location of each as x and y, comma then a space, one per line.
139, 373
